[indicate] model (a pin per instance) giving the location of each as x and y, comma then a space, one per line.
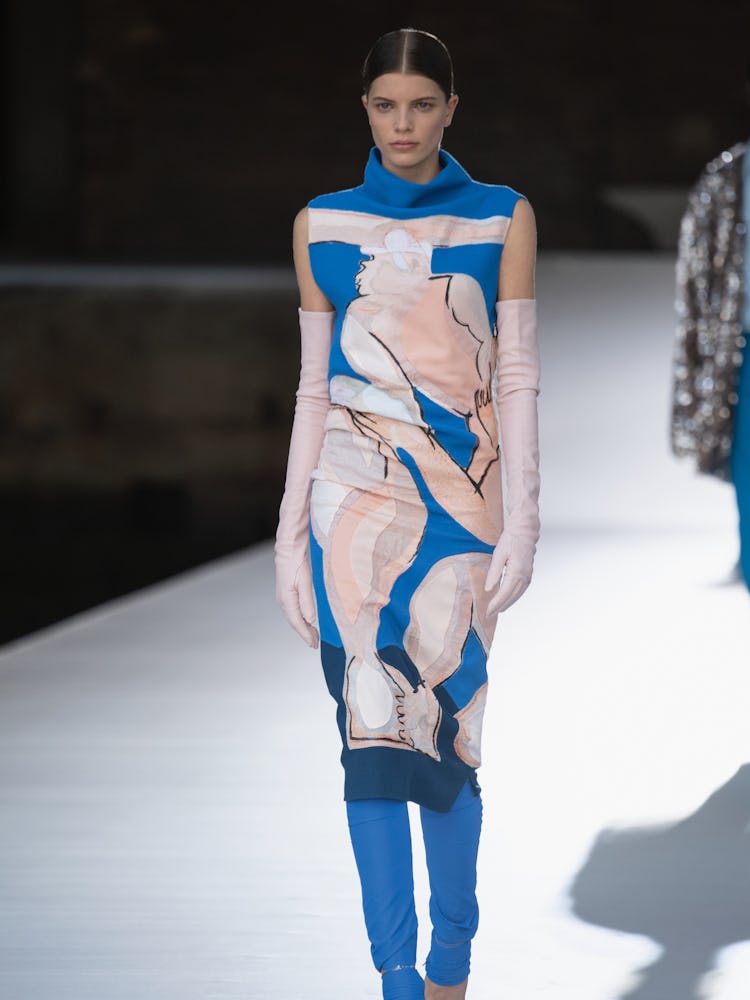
396, 549
710, 415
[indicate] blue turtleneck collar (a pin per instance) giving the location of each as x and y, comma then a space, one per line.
384, 187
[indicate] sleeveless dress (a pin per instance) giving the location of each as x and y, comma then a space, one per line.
406, 502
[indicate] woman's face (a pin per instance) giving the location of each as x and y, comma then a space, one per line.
407, 114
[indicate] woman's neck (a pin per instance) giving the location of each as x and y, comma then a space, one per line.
419, 173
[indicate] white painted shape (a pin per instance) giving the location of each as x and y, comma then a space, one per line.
372, 696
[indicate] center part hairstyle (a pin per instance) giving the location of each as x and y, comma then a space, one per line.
409, 50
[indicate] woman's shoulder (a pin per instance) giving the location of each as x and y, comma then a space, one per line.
523, 213
334, 199
501, 197
330, 200
490, 197
522, 222
300, 222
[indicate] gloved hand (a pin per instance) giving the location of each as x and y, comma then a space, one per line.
516, 391
294, 587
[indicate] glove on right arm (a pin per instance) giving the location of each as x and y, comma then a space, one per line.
294, 588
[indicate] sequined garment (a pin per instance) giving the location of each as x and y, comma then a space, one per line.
709, 339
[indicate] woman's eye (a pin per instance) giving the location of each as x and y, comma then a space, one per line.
383, 106
424, 106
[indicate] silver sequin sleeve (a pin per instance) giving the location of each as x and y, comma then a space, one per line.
709, 342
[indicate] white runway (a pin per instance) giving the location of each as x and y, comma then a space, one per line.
170, 789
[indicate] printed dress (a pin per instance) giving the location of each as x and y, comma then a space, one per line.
406, 503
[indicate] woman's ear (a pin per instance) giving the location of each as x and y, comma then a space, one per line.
452, 102
364, 101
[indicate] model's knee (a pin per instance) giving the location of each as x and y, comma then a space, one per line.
454, 928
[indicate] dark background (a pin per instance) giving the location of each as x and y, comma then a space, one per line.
154, 155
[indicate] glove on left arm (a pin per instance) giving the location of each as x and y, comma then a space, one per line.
516, 391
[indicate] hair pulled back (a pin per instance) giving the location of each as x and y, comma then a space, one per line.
409, 50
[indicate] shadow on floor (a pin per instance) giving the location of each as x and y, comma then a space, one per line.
686, 885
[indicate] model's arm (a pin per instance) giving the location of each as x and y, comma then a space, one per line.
516, 279
294, 587
516, 387
310, 296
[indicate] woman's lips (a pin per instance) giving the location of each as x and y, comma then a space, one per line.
403, 145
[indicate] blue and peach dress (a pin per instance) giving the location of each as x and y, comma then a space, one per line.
406, 503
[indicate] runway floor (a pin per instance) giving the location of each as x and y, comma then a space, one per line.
172, 825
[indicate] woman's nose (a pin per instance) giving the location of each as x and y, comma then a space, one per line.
403, 121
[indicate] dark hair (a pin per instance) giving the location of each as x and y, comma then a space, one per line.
409, 50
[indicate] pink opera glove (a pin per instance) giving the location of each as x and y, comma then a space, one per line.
294, 586
516, 391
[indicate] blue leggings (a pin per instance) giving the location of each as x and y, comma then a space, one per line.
381, 839
741, 463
